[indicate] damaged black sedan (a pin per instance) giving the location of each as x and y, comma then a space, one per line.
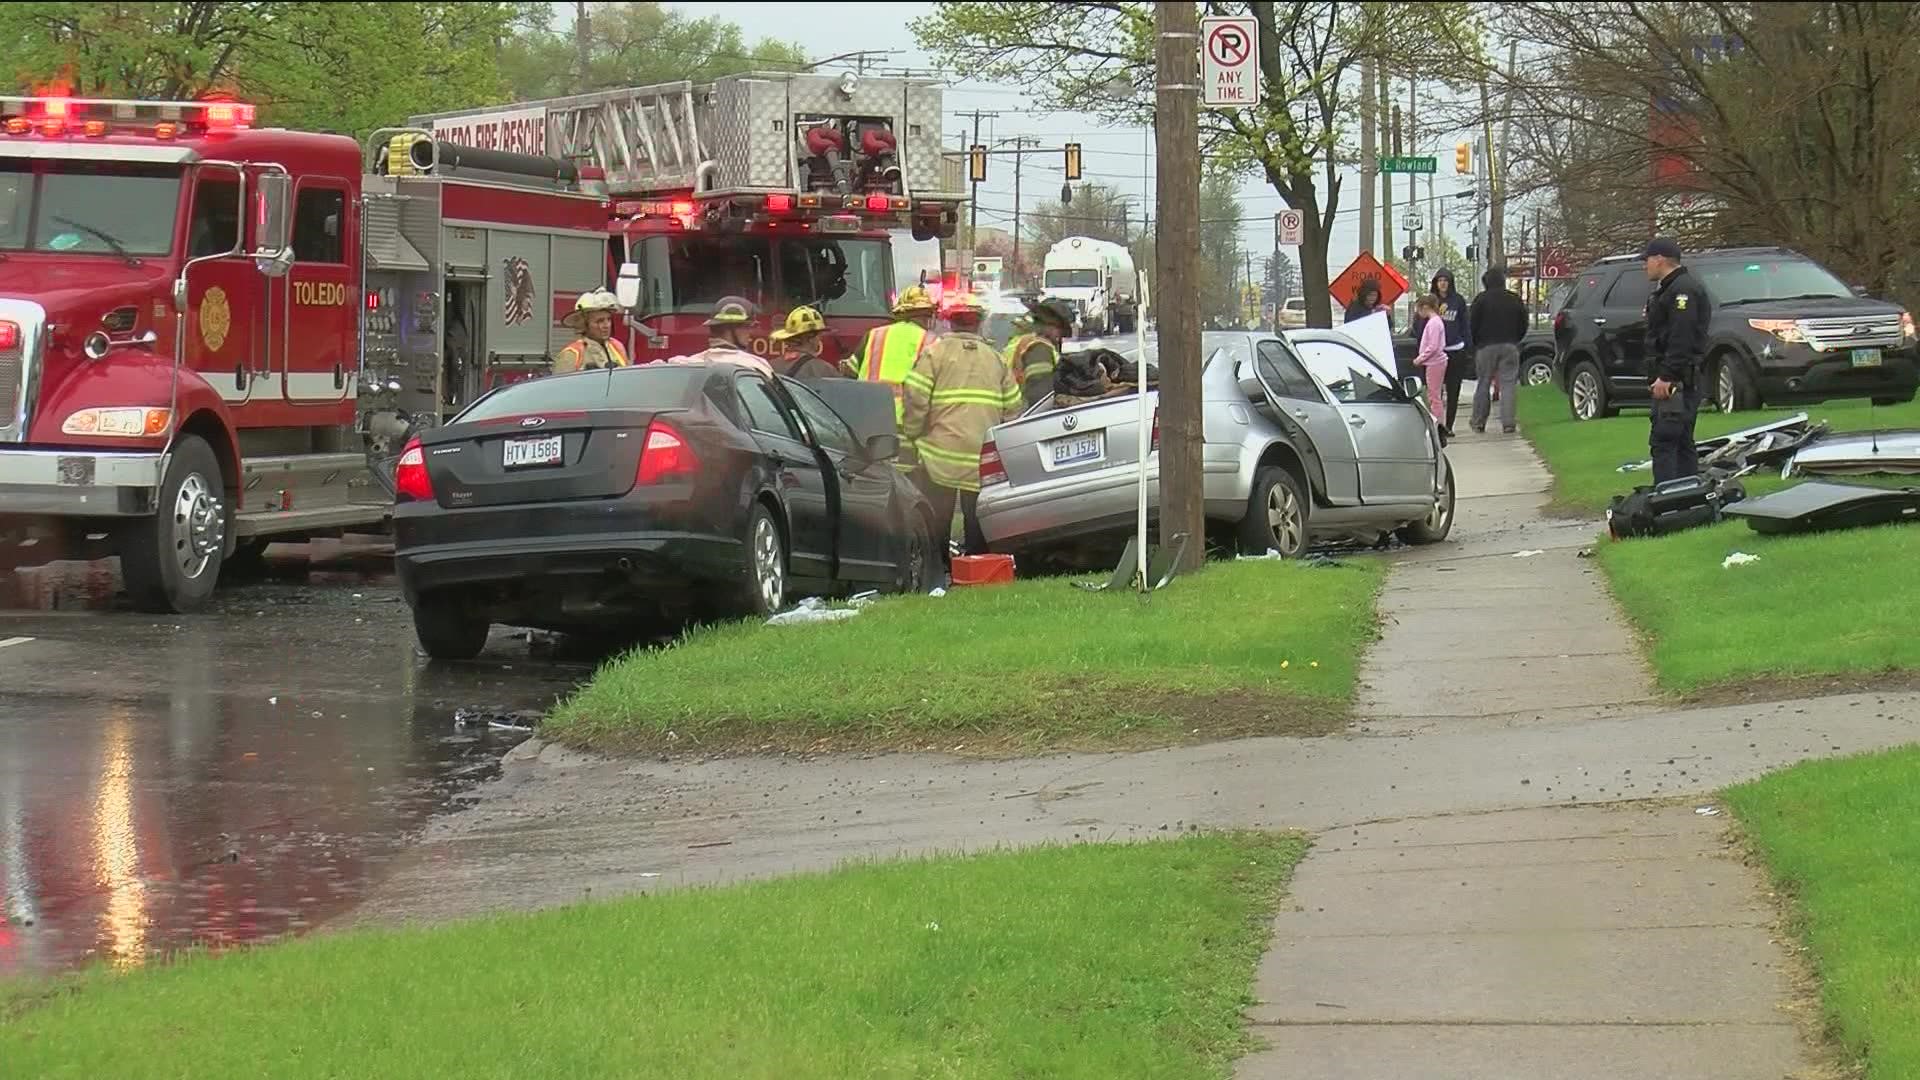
635, 499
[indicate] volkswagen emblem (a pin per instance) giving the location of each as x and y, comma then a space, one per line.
1070, 422
533, 421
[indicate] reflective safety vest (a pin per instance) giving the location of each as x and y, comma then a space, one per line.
955, 395
890, 353
584, 353
1032, 371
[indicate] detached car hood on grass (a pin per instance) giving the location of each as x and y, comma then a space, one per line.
1857, 453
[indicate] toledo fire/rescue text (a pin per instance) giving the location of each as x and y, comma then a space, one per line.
319, 293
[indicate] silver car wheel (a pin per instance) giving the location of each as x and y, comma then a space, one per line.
1440, 518
1586, 396
1283, 519
1723, 389
199, 529
1538, 373
769, 564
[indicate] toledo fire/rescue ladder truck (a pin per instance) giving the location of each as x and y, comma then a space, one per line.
788, 189
209, 331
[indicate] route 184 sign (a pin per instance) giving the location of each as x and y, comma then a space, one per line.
1229, 62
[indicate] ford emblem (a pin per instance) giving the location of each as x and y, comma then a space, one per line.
1070, 422
1859, 330
533, 421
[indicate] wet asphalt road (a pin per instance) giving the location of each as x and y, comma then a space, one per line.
230, 776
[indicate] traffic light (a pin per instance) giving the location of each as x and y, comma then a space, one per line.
1463, 157
977, 163
1073, 161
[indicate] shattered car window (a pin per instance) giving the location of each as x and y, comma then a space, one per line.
1346, 372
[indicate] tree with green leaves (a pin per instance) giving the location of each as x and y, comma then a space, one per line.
346, 67
1282, 280
634, 44
1099, 58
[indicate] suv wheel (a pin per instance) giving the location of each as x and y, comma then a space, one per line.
1537, 371
1587, 393
1733, 389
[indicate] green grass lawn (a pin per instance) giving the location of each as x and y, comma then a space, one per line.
1239, 648
1585, 456
1842, 838
1099, 961
1821, 606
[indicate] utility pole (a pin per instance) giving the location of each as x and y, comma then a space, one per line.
1019, 143
1386, 178
973, 190
1413, 187
582, 44
1369, 161
1498, 174
1176, 293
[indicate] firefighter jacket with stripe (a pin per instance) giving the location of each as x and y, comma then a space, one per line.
889, 353
585, 353
955, 395
1033, 359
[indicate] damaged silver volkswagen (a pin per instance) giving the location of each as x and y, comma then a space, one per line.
1308, 436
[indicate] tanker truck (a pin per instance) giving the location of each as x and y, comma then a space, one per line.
1098, 279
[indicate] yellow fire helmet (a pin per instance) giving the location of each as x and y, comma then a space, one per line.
589, 304
914, 301
801, 320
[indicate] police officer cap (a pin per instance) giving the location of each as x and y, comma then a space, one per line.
1662, 246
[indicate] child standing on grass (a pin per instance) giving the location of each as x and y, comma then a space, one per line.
1432, 356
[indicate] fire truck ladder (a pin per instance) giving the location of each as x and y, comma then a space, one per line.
644, 137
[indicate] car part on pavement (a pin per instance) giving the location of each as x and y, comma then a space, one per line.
1819, 505
1858, 453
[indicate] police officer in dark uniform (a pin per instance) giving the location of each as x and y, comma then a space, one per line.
1676, 337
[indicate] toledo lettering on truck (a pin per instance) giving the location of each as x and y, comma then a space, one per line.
521, 131
319, 293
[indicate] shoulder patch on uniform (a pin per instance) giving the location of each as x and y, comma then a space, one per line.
1680, 302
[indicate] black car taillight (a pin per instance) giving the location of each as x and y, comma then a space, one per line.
665, 456
410, 480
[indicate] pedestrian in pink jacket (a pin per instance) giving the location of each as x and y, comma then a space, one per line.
1433, 355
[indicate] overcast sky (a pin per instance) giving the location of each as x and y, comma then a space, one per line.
1121, 157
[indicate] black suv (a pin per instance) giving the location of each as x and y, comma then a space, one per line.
1784, 331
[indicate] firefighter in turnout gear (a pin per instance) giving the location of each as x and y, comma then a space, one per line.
592, 315
730, 330
1034, 357
799, 343
889, 352
955, 394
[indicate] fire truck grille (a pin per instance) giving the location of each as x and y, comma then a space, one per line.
12, 372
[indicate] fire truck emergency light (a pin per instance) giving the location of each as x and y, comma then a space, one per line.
9, 335
779, 202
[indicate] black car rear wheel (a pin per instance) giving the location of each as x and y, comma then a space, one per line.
766, 586
1536, 370
1587, 393
447, 630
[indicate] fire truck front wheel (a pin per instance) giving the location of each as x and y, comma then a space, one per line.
171, 561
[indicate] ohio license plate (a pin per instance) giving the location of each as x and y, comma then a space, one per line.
1075, 449
544, 451
1866, 358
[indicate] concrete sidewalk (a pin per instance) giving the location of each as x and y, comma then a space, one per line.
1577, 944
1580, 944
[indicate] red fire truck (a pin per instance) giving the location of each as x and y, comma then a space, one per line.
212, 334
787, 189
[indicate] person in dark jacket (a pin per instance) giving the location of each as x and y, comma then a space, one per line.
1366, 301
1496, 322
1677, 315
1459, 340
